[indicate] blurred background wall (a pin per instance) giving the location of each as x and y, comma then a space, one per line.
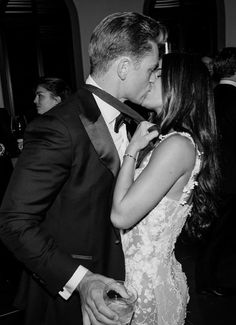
90, 12
51, 37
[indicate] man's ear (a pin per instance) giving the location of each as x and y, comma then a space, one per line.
123, 68
57, 99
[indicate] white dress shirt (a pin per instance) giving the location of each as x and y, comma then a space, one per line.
121, 141
227, 82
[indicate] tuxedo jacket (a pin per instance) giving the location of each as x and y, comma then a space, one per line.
56, 212
225, 104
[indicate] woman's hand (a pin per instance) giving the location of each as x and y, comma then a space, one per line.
142, 137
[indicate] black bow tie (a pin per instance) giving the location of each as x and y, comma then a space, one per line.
131, 125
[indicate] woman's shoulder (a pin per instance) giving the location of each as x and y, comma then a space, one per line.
181, 140
177, 147
176, 135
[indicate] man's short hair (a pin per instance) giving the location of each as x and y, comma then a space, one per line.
119, 34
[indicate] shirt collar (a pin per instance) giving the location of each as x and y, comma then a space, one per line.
108, 112
227, 82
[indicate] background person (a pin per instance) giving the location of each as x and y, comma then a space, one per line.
175, 180
55, 215
50, 92
217, 263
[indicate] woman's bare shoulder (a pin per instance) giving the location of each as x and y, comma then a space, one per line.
177, 147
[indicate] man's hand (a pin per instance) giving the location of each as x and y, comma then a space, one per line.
93, 306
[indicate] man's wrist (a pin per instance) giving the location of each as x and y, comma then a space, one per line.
84, 279
73, 283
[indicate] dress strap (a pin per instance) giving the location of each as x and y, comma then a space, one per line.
196, 169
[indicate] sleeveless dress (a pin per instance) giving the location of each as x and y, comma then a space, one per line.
151, 266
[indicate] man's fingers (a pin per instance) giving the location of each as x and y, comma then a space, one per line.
94, 321
86, 320
100, 310
91, 292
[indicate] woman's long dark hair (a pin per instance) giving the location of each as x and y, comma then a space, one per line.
188, 106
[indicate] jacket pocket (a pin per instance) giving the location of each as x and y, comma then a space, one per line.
82, 257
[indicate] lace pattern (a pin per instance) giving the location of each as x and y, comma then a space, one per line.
151, 266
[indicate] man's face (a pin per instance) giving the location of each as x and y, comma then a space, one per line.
153, 100
141, 76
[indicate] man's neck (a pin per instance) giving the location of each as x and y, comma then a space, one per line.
108, 83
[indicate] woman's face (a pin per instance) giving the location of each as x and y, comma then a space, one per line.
153, 99
45, 100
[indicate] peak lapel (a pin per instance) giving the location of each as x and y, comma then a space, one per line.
98, 132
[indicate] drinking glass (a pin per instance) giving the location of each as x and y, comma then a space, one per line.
122, 304
18, 125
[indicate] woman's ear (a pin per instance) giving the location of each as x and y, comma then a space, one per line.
123, 68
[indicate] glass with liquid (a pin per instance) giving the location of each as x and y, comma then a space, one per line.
121, 298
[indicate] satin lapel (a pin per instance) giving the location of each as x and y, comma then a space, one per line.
98, 132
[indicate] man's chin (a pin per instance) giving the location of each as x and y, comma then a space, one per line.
138, 101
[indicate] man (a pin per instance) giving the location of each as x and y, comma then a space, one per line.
55, 216
216, 267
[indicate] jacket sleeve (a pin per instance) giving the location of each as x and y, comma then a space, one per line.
42, 169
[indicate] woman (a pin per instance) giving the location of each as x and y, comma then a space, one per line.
178, 178
50, 92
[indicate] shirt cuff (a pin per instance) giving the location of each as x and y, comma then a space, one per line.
71, 285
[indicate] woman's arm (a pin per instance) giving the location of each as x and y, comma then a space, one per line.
134, 199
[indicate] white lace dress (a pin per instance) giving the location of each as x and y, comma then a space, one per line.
151, 266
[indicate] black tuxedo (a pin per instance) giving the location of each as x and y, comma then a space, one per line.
56, 212
217, 264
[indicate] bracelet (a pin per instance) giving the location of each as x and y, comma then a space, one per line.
128, 155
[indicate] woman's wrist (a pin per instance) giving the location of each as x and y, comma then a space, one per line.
132, 150
127, 155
